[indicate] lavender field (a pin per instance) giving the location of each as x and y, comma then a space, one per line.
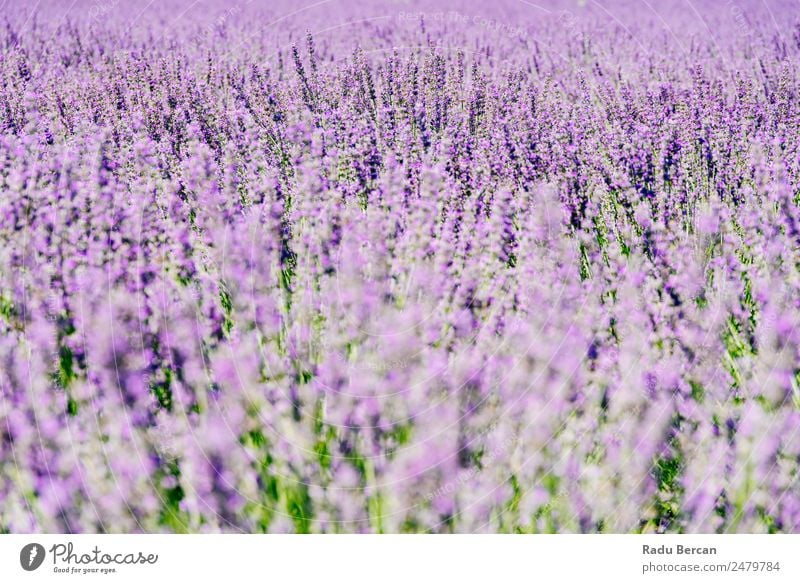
398, 266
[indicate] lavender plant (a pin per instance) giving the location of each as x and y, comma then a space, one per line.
399, 267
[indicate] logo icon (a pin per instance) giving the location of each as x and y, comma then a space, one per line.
31, 556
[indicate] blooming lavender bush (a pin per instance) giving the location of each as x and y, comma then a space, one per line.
399, 267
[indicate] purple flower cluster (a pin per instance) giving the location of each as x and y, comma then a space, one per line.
399, 266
